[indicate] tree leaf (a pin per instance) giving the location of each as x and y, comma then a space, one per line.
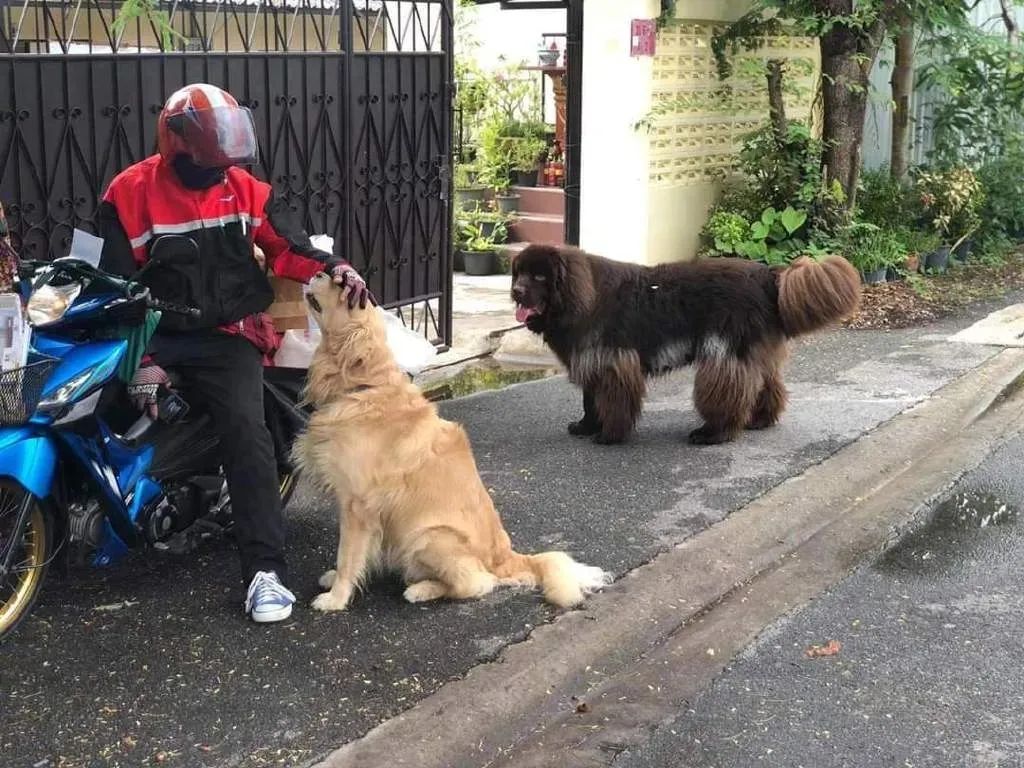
759, 230
723, 246
793, 219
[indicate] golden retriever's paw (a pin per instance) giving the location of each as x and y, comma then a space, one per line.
328, 601
424, 591
327, 579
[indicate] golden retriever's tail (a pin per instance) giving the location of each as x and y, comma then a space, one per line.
564, 581
813, 294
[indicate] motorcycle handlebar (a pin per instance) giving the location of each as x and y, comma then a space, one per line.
133, 290
177, 309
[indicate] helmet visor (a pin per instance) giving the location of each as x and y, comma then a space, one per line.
217, 137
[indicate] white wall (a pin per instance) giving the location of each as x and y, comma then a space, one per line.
614, 156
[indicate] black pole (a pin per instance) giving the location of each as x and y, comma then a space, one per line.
573, 118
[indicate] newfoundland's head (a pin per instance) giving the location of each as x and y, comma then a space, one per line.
551, 285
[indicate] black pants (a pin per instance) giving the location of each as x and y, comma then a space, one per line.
225, 374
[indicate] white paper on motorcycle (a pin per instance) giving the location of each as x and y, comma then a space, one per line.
15, 333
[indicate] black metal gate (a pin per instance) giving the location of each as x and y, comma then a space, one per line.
352, 100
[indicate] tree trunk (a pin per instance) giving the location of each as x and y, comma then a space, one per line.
1006, 10
846, 61
776, 102
902, 89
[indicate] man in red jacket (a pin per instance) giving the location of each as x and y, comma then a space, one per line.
194, 189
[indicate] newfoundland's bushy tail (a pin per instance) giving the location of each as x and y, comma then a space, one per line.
814, 294
564, 581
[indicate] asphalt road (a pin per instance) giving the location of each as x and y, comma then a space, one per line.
929, 671
153, 660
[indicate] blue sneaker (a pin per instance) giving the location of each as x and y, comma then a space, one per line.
268, 599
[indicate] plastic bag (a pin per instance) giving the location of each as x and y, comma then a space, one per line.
297, 348
411, 350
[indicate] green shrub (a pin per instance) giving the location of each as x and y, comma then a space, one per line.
725, 230
917, 241
784, 173
952, 199
772, 239
993, 250
882, 200
869, 247
1002, 212
740, 196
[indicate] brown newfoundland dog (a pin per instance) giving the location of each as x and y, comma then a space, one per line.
614, 324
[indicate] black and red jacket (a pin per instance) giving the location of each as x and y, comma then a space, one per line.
226, 283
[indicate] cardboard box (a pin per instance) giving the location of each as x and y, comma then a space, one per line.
289, 310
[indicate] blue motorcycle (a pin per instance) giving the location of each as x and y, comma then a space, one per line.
81, 473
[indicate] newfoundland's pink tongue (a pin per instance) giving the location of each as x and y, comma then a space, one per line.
524, 313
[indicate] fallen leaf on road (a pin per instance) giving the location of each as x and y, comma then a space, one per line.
830, 649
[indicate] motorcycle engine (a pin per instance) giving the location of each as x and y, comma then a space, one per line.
178, 512
85, 523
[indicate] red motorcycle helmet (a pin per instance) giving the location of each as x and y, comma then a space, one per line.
207, 124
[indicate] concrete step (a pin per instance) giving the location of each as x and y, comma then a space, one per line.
544, 200
537, 228
520, 346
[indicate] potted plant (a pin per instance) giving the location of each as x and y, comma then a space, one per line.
917, 244
871, 250
526, 158
506, 201
515, 144
469, 192
493, 224
479, 252
497, 173
951, 198
461, 235
500, 178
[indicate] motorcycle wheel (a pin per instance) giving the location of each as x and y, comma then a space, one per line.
20, 588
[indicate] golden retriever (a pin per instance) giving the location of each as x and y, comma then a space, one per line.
409, 496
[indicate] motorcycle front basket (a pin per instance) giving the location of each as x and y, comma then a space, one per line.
21, 389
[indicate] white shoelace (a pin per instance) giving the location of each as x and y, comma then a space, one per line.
266, 587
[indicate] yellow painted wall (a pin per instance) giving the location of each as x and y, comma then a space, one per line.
646, 191
698, 122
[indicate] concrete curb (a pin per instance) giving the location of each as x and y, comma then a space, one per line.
498, 706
